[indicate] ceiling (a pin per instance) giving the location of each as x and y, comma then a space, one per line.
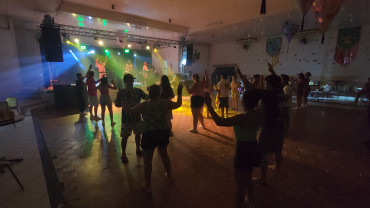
201, 21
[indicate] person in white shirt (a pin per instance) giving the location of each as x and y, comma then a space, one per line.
224, 87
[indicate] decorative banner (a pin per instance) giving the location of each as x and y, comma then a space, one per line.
263, 7
304, 6
325, 12
273, 46
347, 45
290, 30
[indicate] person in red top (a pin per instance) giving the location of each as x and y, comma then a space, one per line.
92, 95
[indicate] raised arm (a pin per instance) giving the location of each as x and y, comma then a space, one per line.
177, 104
105, 61
90, 67
232, 121
271, 69
246, 83
97, 61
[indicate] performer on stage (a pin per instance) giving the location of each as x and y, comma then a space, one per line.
128, 68
145, 72
101, 67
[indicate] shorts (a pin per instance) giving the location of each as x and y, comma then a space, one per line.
127, 128
224, 102
196, 101
105, 100
152, 139
234, 93
247, 155
93, 100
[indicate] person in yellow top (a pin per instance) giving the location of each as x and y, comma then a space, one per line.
235, 85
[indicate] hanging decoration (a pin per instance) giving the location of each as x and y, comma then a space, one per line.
263, 7
290, 30
304, 6
347, 45
273, 46
325, 12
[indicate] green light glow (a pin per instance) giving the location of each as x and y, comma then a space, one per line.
126, 31
104, 22
127, 50
83, 47
80, 19
80, 24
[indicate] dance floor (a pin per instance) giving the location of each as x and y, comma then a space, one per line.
324, 165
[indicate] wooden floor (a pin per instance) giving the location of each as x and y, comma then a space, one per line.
325, 164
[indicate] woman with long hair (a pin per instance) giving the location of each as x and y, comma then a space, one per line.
105, 99
196, 100
167, 93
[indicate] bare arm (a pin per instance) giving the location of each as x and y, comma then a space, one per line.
114, 87
90, 67
271, 69
232, 121
137, 109
244, 79
177, 104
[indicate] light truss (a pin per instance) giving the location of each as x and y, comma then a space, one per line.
103, 34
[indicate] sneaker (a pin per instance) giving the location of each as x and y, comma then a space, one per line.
124, 160
193, 131
202, 127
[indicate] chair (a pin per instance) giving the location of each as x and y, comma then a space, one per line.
5, 163
13, 103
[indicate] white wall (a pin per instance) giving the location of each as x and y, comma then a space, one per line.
10, 80
166, 60
199, 65
313, 57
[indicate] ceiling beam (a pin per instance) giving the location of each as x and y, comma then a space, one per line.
119, 17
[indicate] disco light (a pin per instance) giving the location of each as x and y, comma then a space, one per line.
127, 50
83, 47
77, 40
101, 42
129, 45
147, 47
91, 52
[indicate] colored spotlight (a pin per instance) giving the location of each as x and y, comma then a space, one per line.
91, 52
77, 40
147, 47
127, 50
81, 24
135, 54
126, 31
83, 47
155, 50
106, 51
68, 42
118, 53
74, 56
101, 42
129, 45
90, 17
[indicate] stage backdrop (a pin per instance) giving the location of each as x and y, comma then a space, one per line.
77, 60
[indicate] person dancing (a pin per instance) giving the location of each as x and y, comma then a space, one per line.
92, 95
167, 93
196, 100
224, 87
235, 85
156, 128
247, 152
101, 67
105, 99
131, 123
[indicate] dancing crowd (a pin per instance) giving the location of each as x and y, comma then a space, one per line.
148, 116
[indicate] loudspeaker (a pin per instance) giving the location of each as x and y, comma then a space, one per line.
189, 54
50, 44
